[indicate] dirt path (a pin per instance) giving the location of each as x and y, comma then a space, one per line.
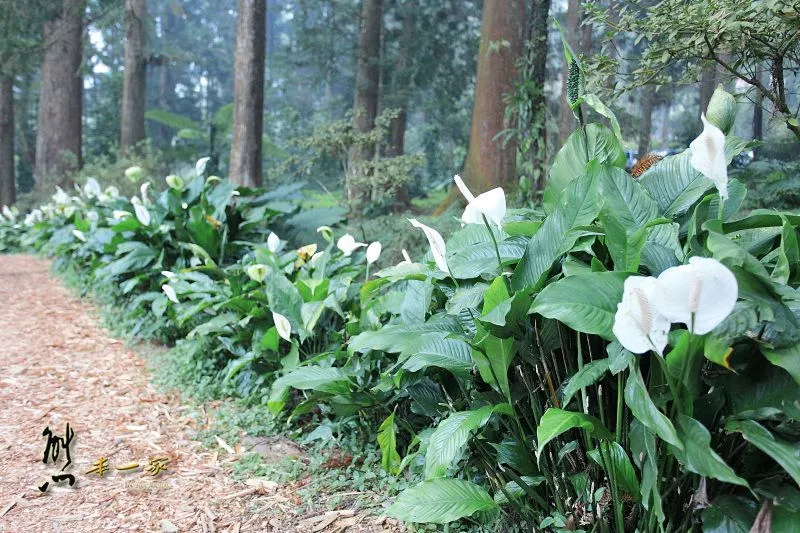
59, 367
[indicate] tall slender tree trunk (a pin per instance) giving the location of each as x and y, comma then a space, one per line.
707, 78
758, 121
537, 62
134, 84
365, 107
59, 128
248, 89
8, 184
665, 125
399, 96
645, 130
567, 121
491, 162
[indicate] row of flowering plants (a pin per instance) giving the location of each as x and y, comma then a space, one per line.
626, 358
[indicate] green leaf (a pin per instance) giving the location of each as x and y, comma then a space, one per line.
450, 437
612, 457
586, 376
494, 360
172, 120
641, 405
786, 454
451, 354
387, 441
594, 142
698, 456
330, 380
729, 514
555, 422
584, 302
515, 490
643, 449
396, 338
787, 358
439, 501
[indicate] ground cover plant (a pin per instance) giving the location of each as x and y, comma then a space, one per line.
623, 358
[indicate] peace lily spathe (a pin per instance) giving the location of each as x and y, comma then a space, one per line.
200, 166
92, 189
491, 204
708, 156
347, 244
282, 325
327, 233
79, 235
373, 252
142, 214
273, 242
257, 272
436, 242
638, 325
701, 294
175, 182
170, 293
134, 173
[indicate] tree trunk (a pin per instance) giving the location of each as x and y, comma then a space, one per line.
58, 133
707, 78
537, 62
24, 124
567, 122
648, 96
135, 77
490, 162
758, 122
8, 187
365, 107
665, 125
248, 89
398, 99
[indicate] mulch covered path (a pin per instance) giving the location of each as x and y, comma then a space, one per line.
59, 367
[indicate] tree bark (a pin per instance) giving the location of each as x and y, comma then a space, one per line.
537, 62
365, 107
567, 121
758, 122
707, 78
134, 83
648, 97
8, 186
491, 163
248, 89
59, 128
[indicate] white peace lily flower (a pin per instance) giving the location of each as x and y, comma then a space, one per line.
257, 272
167, 274
282, 325
8, 213
373, 252
92, 216
142, 214
327, 233
143, 189
170, 293
92, 189
61, 197
112, 192
174, 182
184, 205
638, 325
134, 173
79, 235
273, 242
347, 244
491, 204
119, 214
701, 294
708, 156
436, 242
200, 166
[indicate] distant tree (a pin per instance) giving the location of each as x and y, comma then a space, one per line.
573, 31
248, 100
8, 186
365, 107
135, 79
491, 162
647, 103
537, 61
58, 133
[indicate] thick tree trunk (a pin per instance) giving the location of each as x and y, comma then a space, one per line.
567, 122
648, 97
537, 62
491, 163
365, 107
248, 89
134, 83
58, 133
8, 187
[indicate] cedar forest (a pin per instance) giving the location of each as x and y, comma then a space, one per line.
541, 257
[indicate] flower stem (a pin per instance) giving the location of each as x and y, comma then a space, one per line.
494, 241
721, 210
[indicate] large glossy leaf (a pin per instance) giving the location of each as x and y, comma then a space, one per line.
323, 379
786, 454
645, 455
387, 441
578, 206
729, 514
698, 456
439, 501
493, 361
454, 355
450, 437
396, 338
787, 358
585, 302
594, 142
586, 376
555, 422
615, 461
641, 405
481, 258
